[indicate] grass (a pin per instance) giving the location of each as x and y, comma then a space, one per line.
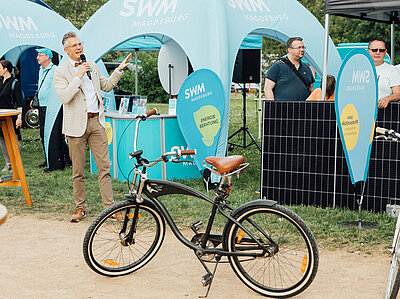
52, 194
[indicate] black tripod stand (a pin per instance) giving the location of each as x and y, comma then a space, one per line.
244, 129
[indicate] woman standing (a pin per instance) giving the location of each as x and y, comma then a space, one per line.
10, 98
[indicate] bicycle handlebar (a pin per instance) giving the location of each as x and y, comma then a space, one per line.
139, 118
188, 152
382, 131
137, 154
151, 112
164, 157
387, 132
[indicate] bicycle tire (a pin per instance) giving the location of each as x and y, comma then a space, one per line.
290, 270
103, 249
394, 270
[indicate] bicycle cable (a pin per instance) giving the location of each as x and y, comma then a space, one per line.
118, 146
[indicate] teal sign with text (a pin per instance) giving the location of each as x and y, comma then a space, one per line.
199, 111
356, 101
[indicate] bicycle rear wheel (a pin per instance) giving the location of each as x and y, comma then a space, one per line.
104, 248
293, 262
392, 288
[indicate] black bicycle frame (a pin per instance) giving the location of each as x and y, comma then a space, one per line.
156, 188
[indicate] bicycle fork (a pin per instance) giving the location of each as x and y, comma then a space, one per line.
127, 239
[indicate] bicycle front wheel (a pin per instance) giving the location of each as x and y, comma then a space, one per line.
292, 261
105, 248
394, 278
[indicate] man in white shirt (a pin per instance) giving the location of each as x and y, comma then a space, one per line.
83, 119
388, 75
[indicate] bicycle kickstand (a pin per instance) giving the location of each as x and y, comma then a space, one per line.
208, 278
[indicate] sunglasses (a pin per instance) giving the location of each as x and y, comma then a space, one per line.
378, 50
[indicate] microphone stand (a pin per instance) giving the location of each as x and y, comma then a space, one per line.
170, 67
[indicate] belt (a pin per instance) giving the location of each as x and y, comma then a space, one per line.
92, 114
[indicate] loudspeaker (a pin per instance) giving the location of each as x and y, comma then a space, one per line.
247, 66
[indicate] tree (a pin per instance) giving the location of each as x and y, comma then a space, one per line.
148, 75
76, 11
342, 30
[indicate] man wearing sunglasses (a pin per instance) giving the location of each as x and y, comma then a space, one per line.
388, 75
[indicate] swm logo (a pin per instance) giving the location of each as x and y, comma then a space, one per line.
195, 90
152, 7
360, 76
17, 23
250, 5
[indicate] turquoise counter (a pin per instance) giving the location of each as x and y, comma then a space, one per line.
157, 135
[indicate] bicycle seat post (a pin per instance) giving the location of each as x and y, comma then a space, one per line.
223, 189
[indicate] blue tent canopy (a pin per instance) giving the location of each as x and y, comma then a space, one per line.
26, 24
148, 43
210, 33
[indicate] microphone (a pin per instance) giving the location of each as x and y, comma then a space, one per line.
83, 58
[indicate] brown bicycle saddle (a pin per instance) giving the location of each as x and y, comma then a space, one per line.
225, 164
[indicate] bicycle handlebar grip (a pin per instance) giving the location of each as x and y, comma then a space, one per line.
382, 131
151, 112
188, 152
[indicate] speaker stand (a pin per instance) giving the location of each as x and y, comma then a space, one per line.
243, 129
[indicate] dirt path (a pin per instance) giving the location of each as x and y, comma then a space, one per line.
43, 259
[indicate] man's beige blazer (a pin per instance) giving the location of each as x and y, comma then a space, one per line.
69, 91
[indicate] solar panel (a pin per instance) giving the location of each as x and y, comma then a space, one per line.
303, 161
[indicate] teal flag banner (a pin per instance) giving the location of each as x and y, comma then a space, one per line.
200, 108
356, 100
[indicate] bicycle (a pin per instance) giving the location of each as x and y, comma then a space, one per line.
269, 247
393, 284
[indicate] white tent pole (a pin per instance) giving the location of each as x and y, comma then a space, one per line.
392, 43
323, 94
136, 72
325, 71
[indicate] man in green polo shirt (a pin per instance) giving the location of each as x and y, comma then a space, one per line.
289, 79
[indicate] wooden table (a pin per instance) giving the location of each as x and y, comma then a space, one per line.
18, 178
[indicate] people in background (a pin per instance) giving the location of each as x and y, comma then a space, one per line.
57, 149
10, 98
84, 121
289, 79
388, 75
45, 82
330, 91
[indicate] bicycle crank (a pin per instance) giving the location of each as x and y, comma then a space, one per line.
207, 257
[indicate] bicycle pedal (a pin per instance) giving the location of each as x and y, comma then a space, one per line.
207, 279
196, 226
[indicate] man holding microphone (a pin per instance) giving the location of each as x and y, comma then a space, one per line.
78, 84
